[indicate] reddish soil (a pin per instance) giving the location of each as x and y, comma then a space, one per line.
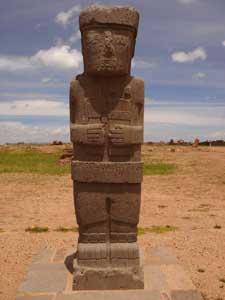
192, 199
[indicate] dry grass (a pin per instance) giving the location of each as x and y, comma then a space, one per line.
37, 229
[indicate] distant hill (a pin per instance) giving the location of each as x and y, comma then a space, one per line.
181, 142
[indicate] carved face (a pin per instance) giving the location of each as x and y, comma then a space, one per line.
107, 52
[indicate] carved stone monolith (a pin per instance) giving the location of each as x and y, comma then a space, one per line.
106, 114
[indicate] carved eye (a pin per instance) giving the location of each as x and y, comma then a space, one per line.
93, 38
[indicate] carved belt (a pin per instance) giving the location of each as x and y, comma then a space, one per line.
107, 172
102, 237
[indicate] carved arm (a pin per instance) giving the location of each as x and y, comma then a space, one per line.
87, 134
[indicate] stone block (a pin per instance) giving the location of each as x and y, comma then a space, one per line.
186, 295
107, 172
107, 278
112, 295
155, 279
177, 278
39, 297
45, 256
45, 278
161, 256
59, 255
109, 15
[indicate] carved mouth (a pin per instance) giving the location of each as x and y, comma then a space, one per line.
108, 64
109, 61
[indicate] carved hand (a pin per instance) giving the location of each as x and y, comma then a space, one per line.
93, 134
125, 135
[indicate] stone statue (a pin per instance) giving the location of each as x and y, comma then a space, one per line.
106, 114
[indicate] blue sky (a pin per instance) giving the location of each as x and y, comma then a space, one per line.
180, 54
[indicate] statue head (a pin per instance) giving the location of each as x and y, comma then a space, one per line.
108, 39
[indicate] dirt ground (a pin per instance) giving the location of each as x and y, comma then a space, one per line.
192, 199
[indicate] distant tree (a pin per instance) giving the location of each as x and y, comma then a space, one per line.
196, 143
171, 142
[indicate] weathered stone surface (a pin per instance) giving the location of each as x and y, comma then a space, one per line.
40, 278
106, 122
45, 256
161, 256
107, 278
180, 285
168, 281
107, 172
105, 15
60, 255
156, 279
177, 278
35, 297
112, 295
186, 295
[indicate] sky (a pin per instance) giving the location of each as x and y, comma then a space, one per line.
180, 54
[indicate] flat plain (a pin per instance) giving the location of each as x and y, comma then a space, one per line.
183, 207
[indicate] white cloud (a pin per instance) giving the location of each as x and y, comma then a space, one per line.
14, 132
46, 80
177, 114
199, 76
223, 43
11, 96
183, 57
217, 135
34, 108
150, 101
14, 63
187, 1
64, 17
142, 64
75, 37
61, 57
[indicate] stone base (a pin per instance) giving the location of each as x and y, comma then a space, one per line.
50, 277
85, 278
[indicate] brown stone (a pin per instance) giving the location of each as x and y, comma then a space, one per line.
106, 116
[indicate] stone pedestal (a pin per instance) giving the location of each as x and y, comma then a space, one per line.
87, 278
107, 267
50, 277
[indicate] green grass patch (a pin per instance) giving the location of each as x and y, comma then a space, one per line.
32, 161
67, 229
142, 231
37, 229
156, 229
159, 169
200, 208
